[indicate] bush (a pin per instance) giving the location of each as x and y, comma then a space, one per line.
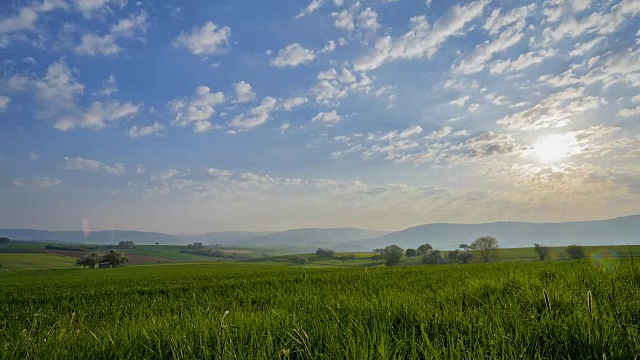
392, 255
301, 260
575, 252
543, 252
433, 258
325, 253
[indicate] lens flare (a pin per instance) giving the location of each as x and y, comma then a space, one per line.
86, 228
605, 260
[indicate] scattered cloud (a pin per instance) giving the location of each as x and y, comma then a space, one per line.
244, 92
210, 39
290, 103
38, 181
5, 101
197, 110
156, 129
256, 116
327, 117
79, 163
312, 7
293, 55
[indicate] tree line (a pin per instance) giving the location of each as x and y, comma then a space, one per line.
113, 257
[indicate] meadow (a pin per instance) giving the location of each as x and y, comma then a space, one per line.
223, 310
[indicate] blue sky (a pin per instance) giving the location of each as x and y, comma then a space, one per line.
380, 114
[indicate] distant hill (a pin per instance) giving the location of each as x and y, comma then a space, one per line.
96, 237
620, 231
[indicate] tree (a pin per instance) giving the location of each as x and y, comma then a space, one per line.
157, 243
487, 247
89, 260
4, 240
301, 260
411, 252
453, 255
126, 245
464, 246
424, 249
434, 257
543, 252
464, 257
378, 251
325, 253
115, 258
575, 252
392, 255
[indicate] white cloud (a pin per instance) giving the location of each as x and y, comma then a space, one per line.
197, 110
38, 181
91, 44
293, 55
312, 7
34, 156
368, 20
481, 55
557, 110
79, 163
332, 45
140, 169
461, 101
422, 40
4, 102
89, 7
109, 86
523, 61
97, 115
209, 39
583, 48
290, 103
257, 116
25, 20
343, 20
495, 22
327, 117
629, 112
332, 87
244, 93
140, 131
129, 26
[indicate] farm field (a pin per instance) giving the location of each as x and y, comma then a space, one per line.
34, 261
253, 310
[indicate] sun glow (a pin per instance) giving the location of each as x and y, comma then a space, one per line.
554, 148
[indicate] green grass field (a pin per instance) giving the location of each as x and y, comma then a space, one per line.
412, 312
35, 261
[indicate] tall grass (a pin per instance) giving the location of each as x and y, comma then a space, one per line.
243, 311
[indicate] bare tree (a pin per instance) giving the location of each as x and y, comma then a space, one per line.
487, 247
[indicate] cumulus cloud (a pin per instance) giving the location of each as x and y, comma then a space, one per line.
197, 110
244, 92
4, 102
210, 39
290, 103
128, 27
25, 20
109, 86
38, 181
91, 44
79, 163
153, 129
327, 117
332, 45
293, 55
256, 116
97, 115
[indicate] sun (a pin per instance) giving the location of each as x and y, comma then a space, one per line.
553, 148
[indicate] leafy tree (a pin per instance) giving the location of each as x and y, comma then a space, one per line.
115, 258
89, 260
157, 243
4, 240
543, 252
464, 246
301, 260
411, 252
453, 255
392, 255
325, 253
434, 257
487, 247
378, 251
126, 245
575, 251
424, 249
464, 257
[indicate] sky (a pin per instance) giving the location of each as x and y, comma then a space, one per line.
198, 116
